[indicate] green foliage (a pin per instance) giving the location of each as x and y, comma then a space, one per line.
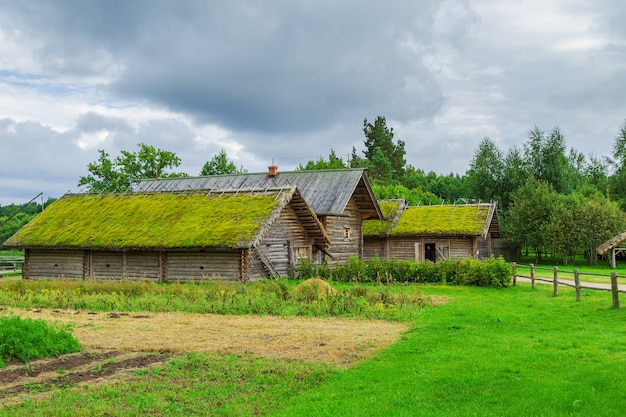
27, 339
414, 196
484, 177
333, 162
529, 215
491, 272
220, 165
384, 158
161, 220
265, 297
128, 169
562, 224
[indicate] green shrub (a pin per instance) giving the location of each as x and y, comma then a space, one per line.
27, 339
490, 272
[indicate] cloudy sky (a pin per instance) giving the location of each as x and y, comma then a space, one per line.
287, 80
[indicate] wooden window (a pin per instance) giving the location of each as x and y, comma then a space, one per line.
346, 233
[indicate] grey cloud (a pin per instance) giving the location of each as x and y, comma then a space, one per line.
276, 67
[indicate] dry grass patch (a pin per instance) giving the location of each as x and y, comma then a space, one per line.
339, 341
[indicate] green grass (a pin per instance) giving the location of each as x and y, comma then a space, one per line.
193, 385
267, 297
513, 352
28, 339
487, 352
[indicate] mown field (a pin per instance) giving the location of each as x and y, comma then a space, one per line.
459, 351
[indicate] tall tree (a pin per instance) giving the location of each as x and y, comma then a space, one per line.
220, 165
598, 220
514, 176
379, 136
546, 158
128, 169
486, 171
529, 215
617, 179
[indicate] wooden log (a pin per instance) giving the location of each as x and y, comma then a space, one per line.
514, 274
532, 276
577, 284
615, 289
555, 281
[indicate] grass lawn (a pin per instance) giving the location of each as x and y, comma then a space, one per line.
486, 352
511, 352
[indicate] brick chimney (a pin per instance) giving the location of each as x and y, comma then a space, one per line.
272, 170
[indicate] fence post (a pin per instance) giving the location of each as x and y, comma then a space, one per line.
514, 273
555, 281
577, 284
615, 289
532, 276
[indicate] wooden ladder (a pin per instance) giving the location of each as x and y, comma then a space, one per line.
267, 263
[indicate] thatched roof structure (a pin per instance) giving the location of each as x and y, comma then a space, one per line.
391, 210
610, 244
164, 220
440, 220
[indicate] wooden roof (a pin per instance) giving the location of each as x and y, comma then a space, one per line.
327, 192
440, 220
164, 220
612, 243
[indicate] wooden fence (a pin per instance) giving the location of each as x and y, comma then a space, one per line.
576, 282
11, 264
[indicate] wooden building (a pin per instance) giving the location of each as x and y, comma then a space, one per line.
613, 247
341, 199
239, 235
431, 232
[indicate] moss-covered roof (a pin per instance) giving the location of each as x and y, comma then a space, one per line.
389, 209
153, 220
472, 219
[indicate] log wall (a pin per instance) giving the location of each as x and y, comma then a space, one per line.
374, 247
66, 264
405, 247
203, 265
341, 248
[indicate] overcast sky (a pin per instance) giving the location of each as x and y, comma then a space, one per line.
289, 80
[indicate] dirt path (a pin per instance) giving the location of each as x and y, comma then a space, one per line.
570, 283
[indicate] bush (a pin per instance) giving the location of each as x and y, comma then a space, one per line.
492, 272
27, 339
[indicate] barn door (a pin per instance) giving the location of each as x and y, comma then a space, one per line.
443, 252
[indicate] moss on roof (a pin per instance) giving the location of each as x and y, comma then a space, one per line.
443, 220
382, 227
158, 220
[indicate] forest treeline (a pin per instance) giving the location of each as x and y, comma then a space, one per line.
550, 198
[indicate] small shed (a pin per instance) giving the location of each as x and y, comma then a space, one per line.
237, 235
614, 246
432, 232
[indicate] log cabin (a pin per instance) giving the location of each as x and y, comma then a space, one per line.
432, 233
240, 235
341, 199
